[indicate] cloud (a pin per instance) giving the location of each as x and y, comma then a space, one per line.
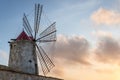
72, 56
72, 49
107, 17
107, 50
101, 33
68, 52
75, 50
104, 71
3, 57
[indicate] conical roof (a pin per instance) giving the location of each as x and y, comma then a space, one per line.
24, 36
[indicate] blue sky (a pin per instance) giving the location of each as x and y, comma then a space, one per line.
89, 19
63, 12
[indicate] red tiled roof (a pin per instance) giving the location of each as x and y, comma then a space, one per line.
24, 36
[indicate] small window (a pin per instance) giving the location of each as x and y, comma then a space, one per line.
14, 45
30, 61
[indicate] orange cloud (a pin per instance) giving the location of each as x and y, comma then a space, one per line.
104, 16
72, 57
72, 49
107, 50
101, 33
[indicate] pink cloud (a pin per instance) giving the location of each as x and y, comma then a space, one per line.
104, 16
73, 49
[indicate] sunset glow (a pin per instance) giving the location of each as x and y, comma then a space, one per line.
88, 36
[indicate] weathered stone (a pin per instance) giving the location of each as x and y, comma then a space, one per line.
22, 63
23, 56
6, 73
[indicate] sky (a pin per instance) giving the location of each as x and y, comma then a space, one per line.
87, 46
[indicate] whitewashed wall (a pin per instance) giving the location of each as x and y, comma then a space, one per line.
23, 57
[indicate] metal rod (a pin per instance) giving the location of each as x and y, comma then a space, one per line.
27, 25
46, 35
42, 57
41, 64
47, 56
48, 27
47, 40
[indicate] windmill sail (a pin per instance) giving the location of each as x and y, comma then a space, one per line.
27, 25
45, 61
49, 34
38, 12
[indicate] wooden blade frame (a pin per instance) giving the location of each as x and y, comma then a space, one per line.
49, 34
38, 12
45, 36
45, 61
50, 38
27, 25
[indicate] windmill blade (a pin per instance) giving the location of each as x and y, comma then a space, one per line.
43, 66
27, 25
45, 61
38, 12
49, 34
50, 38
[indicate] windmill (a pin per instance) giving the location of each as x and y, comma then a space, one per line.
48, 35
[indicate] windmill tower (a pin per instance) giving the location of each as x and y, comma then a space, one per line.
25, 50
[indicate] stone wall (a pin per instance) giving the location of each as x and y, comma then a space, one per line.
23, 57
7, 74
